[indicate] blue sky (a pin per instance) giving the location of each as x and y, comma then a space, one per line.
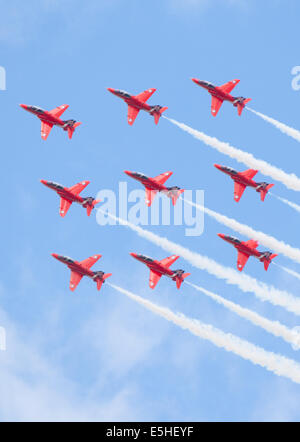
99, 356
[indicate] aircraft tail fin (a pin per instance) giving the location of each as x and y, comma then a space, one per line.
158, 114
264, 192
240, 106
71, 129
267, 262
90, 207
179, 279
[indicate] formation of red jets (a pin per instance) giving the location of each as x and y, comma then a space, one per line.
69, 195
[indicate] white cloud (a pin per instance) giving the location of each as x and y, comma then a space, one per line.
22, 21
38, 387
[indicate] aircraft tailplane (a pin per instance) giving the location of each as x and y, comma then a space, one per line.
179, 279
175, 194
71, 129
263, 192
100, 281
267, 262
89, 208
158, 114
241, 106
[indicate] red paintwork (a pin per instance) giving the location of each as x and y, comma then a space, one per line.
244, 179
222, 93
160, 268
80, 269
71, 195
137, 103
52, 118
156, 184
246, 249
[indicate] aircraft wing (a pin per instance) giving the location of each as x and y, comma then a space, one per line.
144, 96
58, 111
162, 178
228, 87
45, 129
132, 114
167, 262
250, 173
64, 206
241, 260
150, 195
154, 278
216, 103
77, 188
89, 262
251, 243
75, 280
238, 191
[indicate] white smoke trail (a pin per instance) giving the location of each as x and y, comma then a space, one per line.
243, 229
291, 132
245, 282
276, 363
291, 272
289, 180
276, 328
289, 203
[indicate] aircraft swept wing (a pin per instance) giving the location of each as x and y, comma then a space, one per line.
64, 206
167, 262
89, 262
58, 111
162, 178
154, 278
229, 86
216, 103
238, 191
149, 196
75, 280
241, 260
144, 96
132, 114
45, 129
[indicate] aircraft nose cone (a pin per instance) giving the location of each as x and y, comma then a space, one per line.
110, 90
221, 235
44, 182
195, 80
134, 255
24, 106
55, 255
128, 172
218, 166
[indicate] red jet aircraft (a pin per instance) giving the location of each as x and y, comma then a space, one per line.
222, 93
244, 179
137, 103
159, 268
82, 268
52, 118
71, 195
246, 249
156, 184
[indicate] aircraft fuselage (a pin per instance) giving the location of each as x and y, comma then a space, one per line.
243, 248
217, 92
74, 266
156, 266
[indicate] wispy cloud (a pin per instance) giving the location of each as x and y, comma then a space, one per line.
35, 385
22, 21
